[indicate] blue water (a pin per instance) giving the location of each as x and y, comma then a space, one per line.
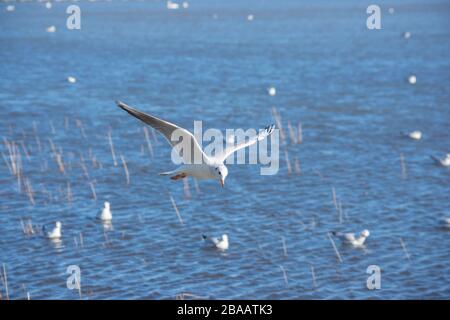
345, 84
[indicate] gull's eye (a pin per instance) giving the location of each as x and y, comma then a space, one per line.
220, 173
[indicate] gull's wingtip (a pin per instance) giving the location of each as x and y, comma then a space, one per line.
120, 104
270, 128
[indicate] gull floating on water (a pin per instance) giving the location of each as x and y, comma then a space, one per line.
415, 135
412, 79
55, 233
407, 35
210, 167
272, 91
10, 8
172, 5
48, 5
220, 243
445, 162
446, 222
351, 239
71, 79
105, 214
51, 29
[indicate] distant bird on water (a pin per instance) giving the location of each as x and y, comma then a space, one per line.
105, 214
55, 233
219, 243
412, 79
272, 91
445, 162
415, 135
350, 238
207, 167
446, 222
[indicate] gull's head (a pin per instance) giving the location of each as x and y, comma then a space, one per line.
221, 172
58, 225
225, 237
106, 205
365, 233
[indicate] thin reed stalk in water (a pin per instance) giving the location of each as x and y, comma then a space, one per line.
60, 163
29, 191
81, 240
5, 279
25, 150
69, 192
111, 145
176, 210
284, 275
12, 155
83, 166
94, 195
283, 241
297, 166
334, 198
340, 212
127, 174
335, 248
292, 135
402, 163
313, 275
277, 118
7, 163
19, 171
52, 127
408, 256
38, 142
288, 163
300, 133
81, 127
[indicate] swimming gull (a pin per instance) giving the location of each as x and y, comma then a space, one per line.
351, 239
55, 233
445, 162
219, 243
105, 214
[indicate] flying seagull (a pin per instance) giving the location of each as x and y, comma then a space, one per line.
207, 167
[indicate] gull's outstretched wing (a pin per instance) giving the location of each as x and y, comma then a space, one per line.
252, 140
169, 131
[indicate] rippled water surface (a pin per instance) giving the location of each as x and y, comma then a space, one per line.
347, 87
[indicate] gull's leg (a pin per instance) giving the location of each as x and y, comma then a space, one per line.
179, 176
